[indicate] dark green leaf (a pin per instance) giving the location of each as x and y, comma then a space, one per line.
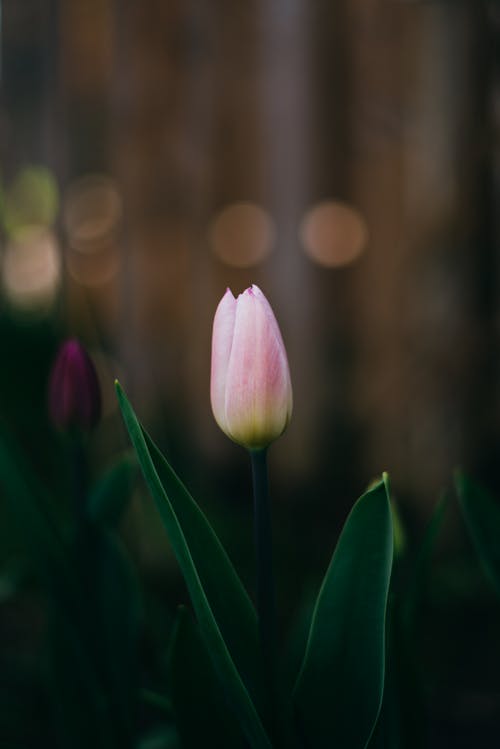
117, 611
93, 611
109, 497
402, 719
202, 714
96, 646
156, 700
482, 518
36, 531
224, 611
164, 737
79, 700
419, 572
339, 688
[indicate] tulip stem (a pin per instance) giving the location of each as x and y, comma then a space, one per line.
79, 477
265, 580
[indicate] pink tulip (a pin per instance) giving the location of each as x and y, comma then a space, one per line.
251, 391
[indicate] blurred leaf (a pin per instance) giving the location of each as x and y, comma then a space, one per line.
98, 647
402, 719
93, 611
482, 518
159, 701
418, 575
13, 575
110, 495
119, 610
27, 349
202, 714
165, 737
339, 689
35, 529
80, 702
224, 611
25, 720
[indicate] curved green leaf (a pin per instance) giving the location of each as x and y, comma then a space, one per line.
224, 611
339, 688
202, 715
482, 518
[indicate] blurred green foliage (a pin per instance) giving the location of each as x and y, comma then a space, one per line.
102, 668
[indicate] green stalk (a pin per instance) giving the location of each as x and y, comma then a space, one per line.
265, 578
79, 476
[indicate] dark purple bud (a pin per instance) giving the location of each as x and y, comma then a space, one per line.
74, 393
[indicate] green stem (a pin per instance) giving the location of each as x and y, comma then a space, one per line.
265, 580
79, 470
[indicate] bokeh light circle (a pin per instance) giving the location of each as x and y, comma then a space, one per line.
92, 212
333, 234
31, 269
242, 234
31, 200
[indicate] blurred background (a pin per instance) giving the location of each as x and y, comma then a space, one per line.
342, 154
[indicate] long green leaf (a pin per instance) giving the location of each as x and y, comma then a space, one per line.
482, 518
229, 601
221, 604
339, 688
201, 711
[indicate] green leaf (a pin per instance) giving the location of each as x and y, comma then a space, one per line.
164, 737
117, 612
92, 611
202, 715
482, 518
110, 495
159, 701
419, 573
402, 719
39, 536
96, 646
79, 701
339, 688
224, 611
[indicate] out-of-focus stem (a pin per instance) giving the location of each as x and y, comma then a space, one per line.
79, 470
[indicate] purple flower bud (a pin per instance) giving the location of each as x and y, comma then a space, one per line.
74, 393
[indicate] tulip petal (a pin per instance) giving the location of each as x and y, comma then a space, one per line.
258, 389
285, 383
268, 311
222, 339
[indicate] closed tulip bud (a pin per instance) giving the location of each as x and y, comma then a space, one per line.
251, 391
74, 393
